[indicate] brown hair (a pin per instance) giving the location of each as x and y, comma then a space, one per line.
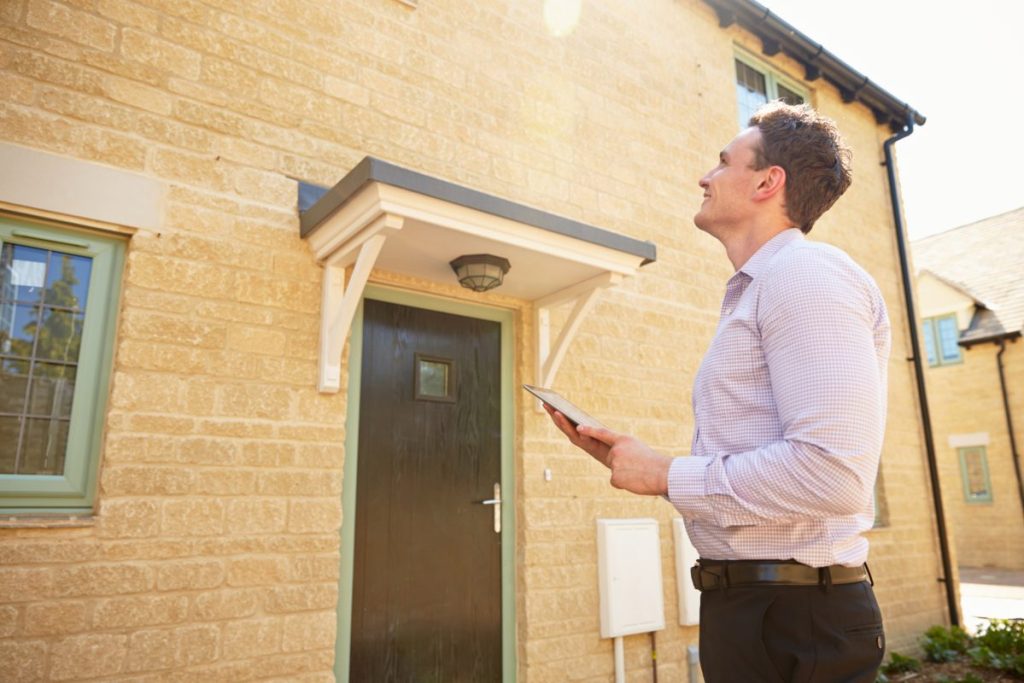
809, 148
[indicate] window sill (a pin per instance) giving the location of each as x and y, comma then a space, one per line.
41, 521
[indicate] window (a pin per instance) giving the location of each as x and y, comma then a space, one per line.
974, 471
756, 83
940, 340
58, 304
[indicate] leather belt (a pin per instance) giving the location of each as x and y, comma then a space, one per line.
711, 575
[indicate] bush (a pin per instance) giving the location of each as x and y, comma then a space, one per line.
945, 645
1000, 645
899, 664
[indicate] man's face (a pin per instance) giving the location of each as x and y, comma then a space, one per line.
729, 186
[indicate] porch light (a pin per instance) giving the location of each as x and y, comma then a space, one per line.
480, 272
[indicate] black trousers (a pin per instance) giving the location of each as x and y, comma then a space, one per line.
791, 634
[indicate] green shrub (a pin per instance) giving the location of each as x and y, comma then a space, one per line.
899, 664
1000, 645
945, 644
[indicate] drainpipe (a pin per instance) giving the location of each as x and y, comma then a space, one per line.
1009, 421
952, 599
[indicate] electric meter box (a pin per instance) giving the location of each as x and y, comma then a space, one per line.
629, 577
686, 557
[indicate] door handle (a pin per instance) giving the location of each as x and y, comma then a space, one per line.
496, 502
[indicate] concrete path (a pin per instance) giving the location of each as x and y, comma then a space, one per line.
992, 593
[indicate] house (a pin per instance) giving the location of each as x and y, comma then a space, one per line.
972, 310
251, 420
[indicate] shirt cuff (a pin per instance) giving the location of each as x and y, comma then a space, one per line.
686, 486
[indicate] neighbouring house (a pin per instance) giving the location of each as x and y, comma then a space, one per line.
251, 425
971, 297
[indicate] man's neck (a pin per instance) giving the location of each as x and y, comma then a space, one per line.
741, 246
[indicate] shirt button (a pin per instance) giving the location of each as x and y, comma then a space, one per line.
728, 311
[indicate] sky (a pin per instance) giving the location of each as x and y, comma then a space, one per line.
959, 63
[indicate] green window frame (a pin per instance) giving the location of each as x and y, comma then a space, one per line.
757, 83
974, 474
70, 490
941, 337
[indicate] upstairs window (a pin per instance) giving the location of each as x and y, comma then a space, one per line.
58, 305
757, 83
940, 340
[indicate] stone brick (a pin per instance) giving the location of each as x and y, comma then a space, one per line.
192, 517
215, 605
256, 571
54, 618
256, 340
197, 645
21, 585
309, 631
302, 597
164, 55
101, 579
9, 616
22, 661
132, 612
190, 575
129, 518
80, 27
309, 568
256, 516
150, 650
129, 480
252, 638
88, 656
313, 515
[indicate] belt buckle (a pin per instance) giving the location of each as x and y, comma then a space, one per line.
698, 573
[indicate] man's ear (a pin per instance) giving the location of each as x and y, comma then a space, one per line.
773, 182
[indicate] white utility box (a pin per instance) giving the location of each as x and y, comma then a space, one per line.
629, 577
686, 557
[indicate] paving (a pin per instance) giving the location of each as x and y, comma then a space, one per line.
990, 593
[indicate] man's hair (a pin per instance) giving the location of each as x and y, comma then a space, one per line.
809, 148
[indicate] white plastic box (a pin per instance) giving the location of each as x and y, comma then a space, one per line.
629, 577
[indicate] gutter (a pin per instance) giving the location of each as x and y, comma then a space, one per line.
777, 36
1009, 417
952, 599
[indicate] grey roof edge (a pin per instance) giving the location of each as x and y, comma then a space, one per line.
777, 35
371, 169
958, 286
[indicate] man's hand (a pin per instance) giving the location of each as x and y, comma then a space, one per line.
635, 466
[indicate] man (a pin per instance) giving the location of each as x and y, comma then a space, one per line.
789, 410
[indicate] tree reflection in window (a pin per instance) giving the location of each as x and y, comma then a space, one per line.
43, 295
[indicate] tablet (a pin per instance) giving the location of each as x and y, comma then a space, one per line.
562, 405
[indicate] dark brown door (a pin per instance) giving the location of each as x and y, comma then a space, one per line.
426, 595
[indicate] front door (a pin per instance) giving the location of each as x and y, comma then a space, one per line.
426, 592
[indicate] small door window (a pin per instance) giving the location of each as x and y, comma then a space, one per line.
435, 378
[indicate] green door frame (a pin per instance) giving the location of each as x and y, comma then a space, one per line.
348, 494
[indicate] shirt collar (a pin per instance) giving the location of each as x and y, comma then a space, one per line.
757, 263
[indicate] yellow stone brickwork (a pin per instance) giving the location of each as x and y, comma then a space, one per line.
214, 553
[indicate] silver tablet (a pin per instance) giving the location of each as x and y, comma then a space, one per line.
563, 405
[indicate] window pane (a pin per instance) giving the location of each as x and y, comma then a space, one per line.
751, 91
13, 385
9, 428
23, 272
948, 337
788, 96
53, 387
67, 280
60, 336
18, 338
43, 447
929, 341
433, 378
975, 473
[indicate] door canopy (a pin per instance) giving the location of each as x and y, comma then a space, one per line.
390, 218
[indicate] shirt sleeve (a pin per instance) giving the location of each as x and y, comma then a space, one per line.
819, 319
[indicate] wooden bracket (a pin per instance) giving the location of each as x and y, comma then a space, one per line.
340, 301
583, 296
